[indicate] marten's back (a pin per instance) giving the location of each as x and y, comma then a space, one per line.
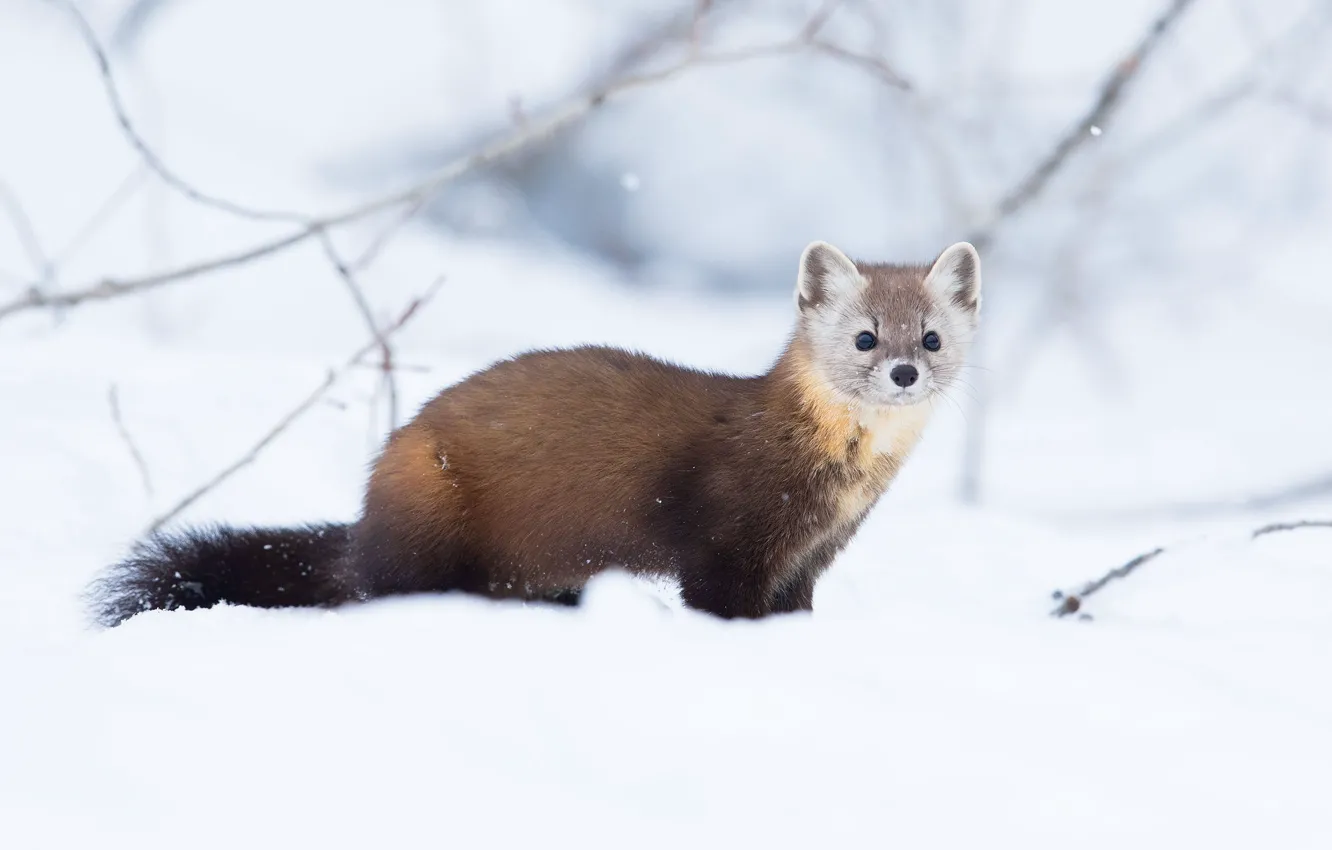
562, 459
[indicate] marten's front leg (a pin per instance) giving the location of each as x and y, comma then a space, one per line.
797, 594
729, 585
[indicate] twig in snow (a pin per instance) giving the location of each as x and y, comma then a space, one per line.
334, 375
113, 398
1292, 526
1071, 603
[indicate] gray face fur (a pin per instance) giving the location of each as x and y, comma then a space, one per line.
899, 305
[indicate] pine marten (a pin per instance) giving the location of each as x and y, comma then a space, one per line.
527, 478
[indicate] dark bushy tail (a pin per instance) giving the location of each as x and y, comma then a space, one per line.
198, 568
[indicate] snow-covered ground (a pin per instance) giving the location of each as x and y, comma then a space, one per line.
930, 701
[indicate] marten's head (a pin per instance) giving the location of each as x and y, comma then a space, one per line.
885, 334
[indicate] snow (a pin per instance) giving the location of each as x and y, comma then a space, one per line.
930, 700
915, 707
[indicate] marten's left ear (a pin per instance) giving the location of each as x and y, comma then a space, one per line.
825, 275
956, 277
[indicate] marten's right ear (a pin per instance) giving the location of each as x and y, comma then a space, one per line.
825, 275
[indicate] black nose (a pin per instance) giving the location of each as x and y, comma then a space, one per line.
904, 375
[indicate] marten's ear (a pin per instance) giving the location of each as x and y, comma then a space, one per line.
955, 277
825, 275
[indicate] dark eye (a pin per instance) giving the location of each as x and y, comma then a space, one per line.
931, 341
865, 341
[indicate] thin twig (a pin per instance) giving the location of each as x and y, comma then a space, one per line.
112, 288
1097, 116
141, 146
397, 367
876, 65
26, 233
680, 26
819, 19
113, 398
1292, 526
386, 363
131, 184
334, 375
1072, 603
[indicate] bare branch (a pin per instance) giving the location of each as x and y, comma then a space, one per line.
679, 26
306, 404
397, 367
414, 197
134, 22
1096, 117
875, 65
1292, 526
113, 398
390, 380
112, 288
1072, 603
817, 20
142, 148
